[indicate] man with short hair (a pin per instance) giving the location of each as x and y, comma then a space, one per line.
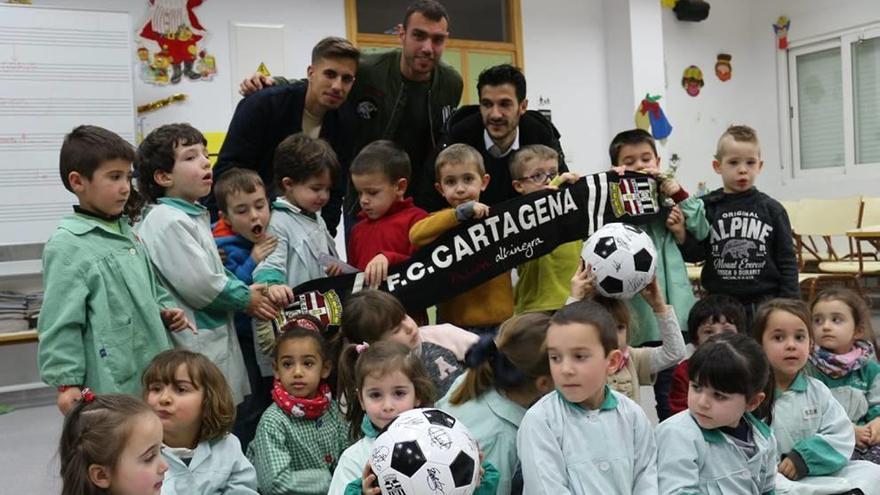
499, 126
311, 106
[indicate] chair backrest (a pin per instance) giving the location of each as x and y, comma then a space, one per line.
828, 217
791, 208
870, 212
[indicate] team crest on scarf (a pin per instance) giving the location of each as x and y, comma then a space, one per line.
636, 196
325, 306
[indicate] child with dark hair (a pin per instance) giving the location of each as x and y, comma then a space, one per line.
193, 400
302, 435
174, 173
717, 445
104, 313
710, 316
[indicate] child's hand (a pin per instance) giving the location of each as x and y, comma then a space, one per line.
582, 282
175, 320
480, 210
675, 224
254, 83
264, 248
787, 469
376, 271
333, 269
654, 297
223, 255
369, 482
560, 179
260, 306
863, 436
874, 426
67, 399
281, 296
670, 187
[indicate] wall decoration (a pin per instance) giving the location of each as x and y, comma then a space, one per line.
174, 32
781, 30
669, 4
692, 80
650, 117
723, 69
263, 70
164, 102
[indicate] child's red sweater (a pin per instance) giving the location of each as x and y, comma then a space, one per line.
388, 235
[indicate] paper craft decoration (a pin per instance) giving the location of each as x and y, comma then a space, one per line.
781, 30
669, 4
692, 80
174, 32
723, 69
164, 102
263, 70
650, 117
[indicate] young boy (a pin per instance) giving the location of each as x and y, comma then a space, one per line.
543, 283
749, 251
242, 234
585, 438
104, 313
173, 173
461, 177
380, 174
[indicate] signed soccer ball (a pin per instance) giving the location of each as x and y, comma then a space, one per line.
623, 259
426, 452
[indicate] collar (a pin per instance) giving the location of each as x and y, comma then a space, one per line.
715, 436
799, 384
222, 229
192, 209
395, 207
99, 216
281, 203
608, 404
368, 428
494, 150
505, 408
79, 224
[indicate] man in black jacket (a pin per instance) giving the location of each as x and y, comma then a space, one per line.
311, 106
499, 126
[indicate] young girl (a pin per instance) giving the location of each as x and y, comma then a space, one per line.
110, 445
639, 366
372, 315
193, 400
843, 359
173, 173
814, 436
717, 445
711, 315
301, 435
383, 380
506, 375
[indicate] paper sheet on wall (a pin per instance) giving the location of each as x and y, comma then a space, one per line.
58, 69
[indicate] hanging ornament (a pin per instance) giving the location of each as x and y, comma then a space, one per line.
263, 70
692, 80
723, 69
155, 105
650, 117
781, 30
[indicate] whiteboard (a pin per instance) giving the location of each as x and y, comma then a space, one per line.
58, 69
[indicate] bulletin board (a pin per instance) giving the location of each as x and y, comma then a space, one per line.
59, 68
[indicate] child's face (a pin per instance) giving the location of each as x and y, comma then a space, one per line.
248, 214
535, 175
178, 405
461, 182
786, 341
191, 177
713, 408
578, 363
740, 164
300, 367
384, 397
407, 333
713, 326
834, 328
638, 157
376, 193
140, 468
312, 194
108, 189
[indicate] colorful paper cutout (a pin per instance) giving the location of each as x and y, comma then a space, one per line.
175, 34
723, 69
781, 30
692, 80
650, 117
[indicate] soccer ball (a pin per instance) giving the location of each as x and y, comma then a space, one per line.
623, 259
426, 452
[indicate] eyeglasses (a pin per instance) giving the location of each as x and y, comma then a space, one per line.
540, 177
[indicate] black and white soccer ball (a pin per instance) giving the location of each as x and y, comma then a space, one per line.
623, 259
426, 452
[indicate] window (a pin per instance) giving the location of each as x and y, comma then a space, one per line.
834, 98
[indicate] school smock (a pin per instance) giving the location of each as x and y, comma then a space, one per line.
302, 238
297, 455
178, 238
351, 465
493, 421
807, 420
100, 324
545, 283
858, 392
487, 304
217, 467
693, 460
567, 449
671, 275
